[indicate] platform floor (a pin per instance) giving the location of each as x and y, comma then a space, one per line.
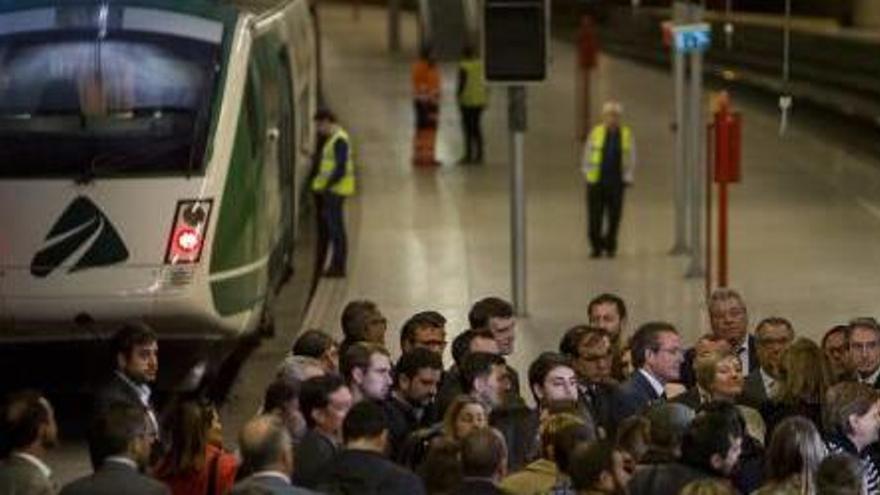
805, 222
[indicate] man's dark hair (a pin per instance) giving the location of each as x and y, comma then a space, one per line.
776, 321
417, 359
366, 419
588, 462
24, 413
355, 319
260, 451
132, 334
840, 474
315, 394
278, 395
566, 441
358, 355
112, 431
475, 365
485, 309
542, 366
608, 299
646, 338
417, 321
833, 330
571, 340
482, 452
713, 431
461, 344
312, 343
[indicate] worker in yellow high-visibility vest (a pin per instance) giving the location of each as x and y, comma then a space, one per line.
472, 98
334, 180
609, 163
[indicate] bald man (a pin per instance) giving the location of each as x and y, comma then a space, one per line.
267, 450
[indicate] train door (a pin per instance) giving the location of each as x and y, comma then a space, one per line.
287, 156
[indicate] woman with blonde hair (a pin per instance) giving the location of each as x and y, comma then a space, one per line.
708, 486
464, 414
801, 388
792, 458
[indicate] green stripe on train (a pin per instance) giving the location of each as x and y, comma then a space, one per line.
241, 293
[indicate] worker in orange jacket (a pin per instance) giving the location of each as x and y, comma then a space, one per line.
426, 96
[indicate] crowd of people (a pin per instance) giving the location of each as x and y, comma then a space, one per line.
765, 412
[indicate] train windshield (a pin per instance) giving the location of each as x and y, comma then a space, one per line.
106, 91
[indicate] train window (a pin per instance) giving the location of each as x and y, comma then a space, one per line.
107, 100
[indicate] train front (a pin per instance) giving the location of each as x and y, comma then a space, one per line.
107, 112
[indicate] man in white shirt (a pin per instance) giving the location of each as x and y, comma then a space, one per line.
31, 431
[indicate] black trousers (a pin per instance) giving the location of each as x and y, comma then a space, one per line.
473, 133
604, 201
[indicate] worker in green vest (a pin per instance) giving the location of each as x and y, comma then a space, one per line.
609, 162
334, 180
471, 102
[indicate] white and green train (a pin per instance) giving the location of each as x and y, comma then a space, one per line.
152, 154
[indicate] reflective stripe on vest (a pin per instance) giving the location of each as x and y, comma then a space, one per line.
474, 92
597, 144
346, 185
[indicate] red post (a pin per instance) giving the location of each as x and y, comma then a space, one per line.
727, 155
722, 234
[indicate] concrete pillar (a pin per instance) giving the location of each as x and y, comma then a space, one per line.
866, 13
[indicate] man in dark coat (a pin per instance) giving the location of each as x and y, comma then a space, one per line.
361, 467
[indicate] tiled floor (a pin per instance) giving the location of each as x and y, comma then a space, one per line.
805, 222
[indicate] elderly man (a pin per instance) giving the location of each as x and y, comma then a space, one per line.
609, 162
773, 336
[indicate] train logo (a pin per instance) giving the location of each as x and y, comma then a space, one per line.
82, 228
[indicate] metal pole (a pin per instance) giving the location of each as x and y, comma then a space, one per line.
680, 158
697, 267
517, 122
394, 26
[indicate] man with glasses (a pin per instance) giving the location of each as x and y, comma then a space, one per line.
590, 351
772, 336
657, 357
123, 436
864, 348
836, 348
729, 320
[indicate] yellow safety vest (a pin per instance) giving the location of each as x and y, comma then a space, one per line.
346, 185
595, 145
474, 92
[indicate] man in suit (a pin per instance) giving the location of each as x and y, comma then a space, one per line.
729, 320
136, 356
411, 404
362, 466
772, 337
125, 435
657, 356
483, 462
864, 348
592, 354
324, 401
266, 449
30, 429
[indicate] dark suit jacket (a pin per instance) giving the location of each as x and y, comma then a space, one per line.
690, 398
686, 372
597, 398
114, 478
403, 419
314, 452
21, 477
475, 486
632, 397
274, 484
754, 393
367, 473
115, 390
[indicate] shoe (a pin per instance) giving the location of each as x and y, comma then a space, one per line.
595, 254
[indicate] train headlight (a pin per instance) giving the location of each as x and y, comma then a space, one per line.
188, 231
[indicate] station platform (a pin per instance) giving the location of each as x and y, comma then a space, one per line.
804, 221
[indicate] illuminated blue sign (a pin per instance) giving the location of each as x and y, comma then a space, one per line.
688, 38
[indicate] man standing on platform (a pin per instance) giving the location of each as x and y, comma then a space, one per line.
333, 182
471, 101
609, 162
426, 95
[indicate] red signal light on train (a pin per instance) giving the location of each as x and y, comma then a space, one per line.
187, 237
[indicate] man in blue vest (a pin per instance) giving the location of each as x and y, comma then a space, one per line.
609, 162
334, 181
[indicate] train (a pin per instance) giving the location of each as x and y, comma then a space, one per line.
153, 155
